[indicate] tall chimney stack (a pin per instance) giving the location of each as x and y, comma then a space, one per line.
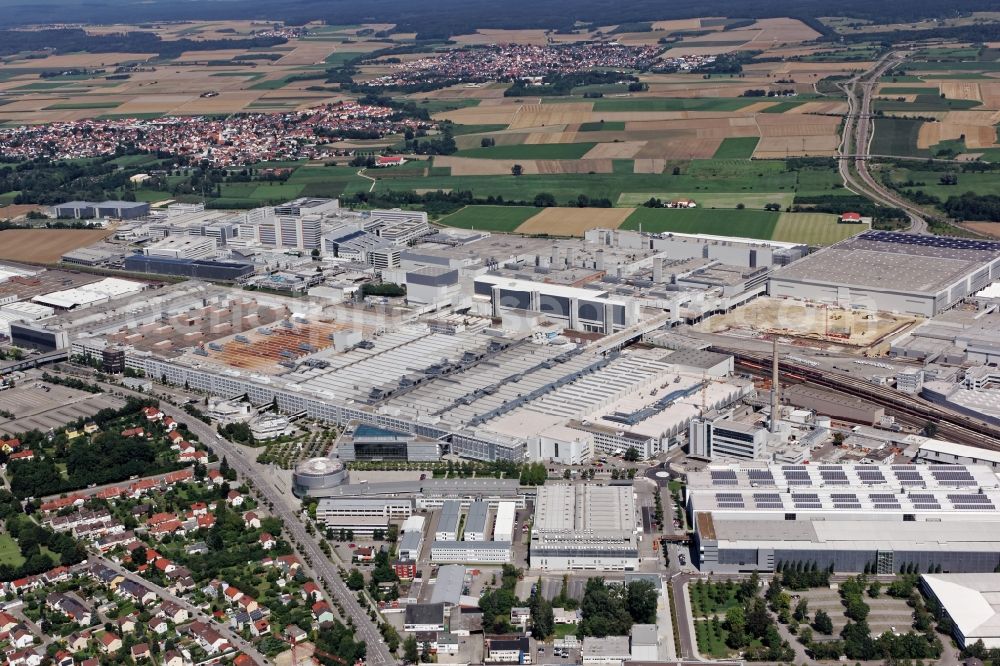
774, 385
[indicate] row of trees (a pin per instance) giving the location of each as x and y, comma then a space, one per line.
611, 610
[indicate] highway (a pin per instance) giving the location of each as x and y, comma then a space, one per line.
322, 569
856, 141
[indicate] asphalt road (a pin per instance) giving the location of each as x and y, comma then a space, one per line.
856, 141
322, 569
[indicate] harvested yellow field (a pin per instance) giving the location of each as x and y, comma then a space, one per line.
154, 103
680, 149
480, 115
782, 31
819, 108
775, 124
499, 36
990, 94
70, 61
777, 147
961, 90
678, 24
621, 150
573, 221
226, 102
540, 115
649, 165
464, 91
574, 166
307, 53
557, 135
695, 50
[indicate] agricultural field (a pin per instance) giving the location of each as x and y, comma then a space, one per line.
489, 218
573, 221
46, 246
742, 223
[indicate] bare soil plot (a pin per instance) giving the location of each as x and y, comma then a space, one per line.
991, 229
464, 91
74, 60
557, 135
959, 89
977, 127
836, 108
796, 146
621, 150
678, 24
574, 166
990, 94
46, 245
782, 30
480, 115
574, 221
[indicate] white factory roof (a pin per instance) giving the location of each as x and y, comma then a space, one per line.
584, 511
564, 291
7, 272
96, 292
960, 450
973, 603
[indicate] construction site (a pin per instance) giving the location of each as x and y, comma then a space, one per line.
806, 324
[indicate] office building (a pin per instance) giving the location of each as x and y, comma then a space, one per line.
710, 438
218, 271
367, 442
448, 521
503, 528
470, 552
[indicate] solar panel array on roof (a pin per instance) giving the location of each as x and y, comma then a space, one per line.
845, 501
768, 501
970, 502
924, 501
953, 477
723, 477
871, 476
729, 500
761, 476
806, 501
930, 241
834, 477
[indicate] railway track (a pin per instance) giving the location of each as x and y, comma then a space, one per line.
951, 425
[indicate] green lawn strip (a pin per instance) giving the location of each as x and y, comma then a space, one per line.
541, 151
908, 90
603, 126
782, 107
674, 104
720, 222
813, 229
490, 218
737, 147
82, 105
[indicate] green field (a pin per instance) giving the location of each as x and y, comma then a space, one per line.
43, 85
338, 58
10, 554
926, 103
953, 66
908, 90
897, 136
82, 105
930, 183
727, 222
781, 107
751, 200
539, 151
459, 130
441, 105
490, 218
603, 126
737, 147
674, 104
813, 229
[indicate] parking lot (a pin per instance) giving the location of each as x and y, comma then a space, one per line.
886, 612
41, 406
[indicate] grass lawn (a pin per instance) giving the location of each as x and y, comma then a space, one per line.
813, 229
737, 147
980, 183
540, 151
897, 136
152, 196
490, 218
721, 222
8, 197
9, 552
564, 630
674, 104
603, 126
711, 642
338, 58
703, 604
442, 105
459, 130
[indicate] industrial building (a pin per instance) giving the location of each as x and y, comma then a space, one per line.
836, 405
936, 451
754, 516
972, 602
361, 515
584, 527
892, 272
123, 210
198, 269
712, 438
182, 247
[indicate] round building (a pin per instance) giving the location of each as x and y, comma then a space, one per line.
311, 477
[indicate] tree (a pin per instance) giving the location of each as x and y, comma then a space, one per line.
801, 610
517, 170
411, 652
930, 429
544, 200
736, 624
640, 601
631, 455
822, 622
355, 580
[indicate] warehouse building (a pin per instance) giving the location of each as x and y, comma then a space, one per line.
362, 516
836, 405
754, 516
503, 527
123, 210
936, 451
892, 272
972, 601
475, 522
584, 527
182, 247
448, 521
